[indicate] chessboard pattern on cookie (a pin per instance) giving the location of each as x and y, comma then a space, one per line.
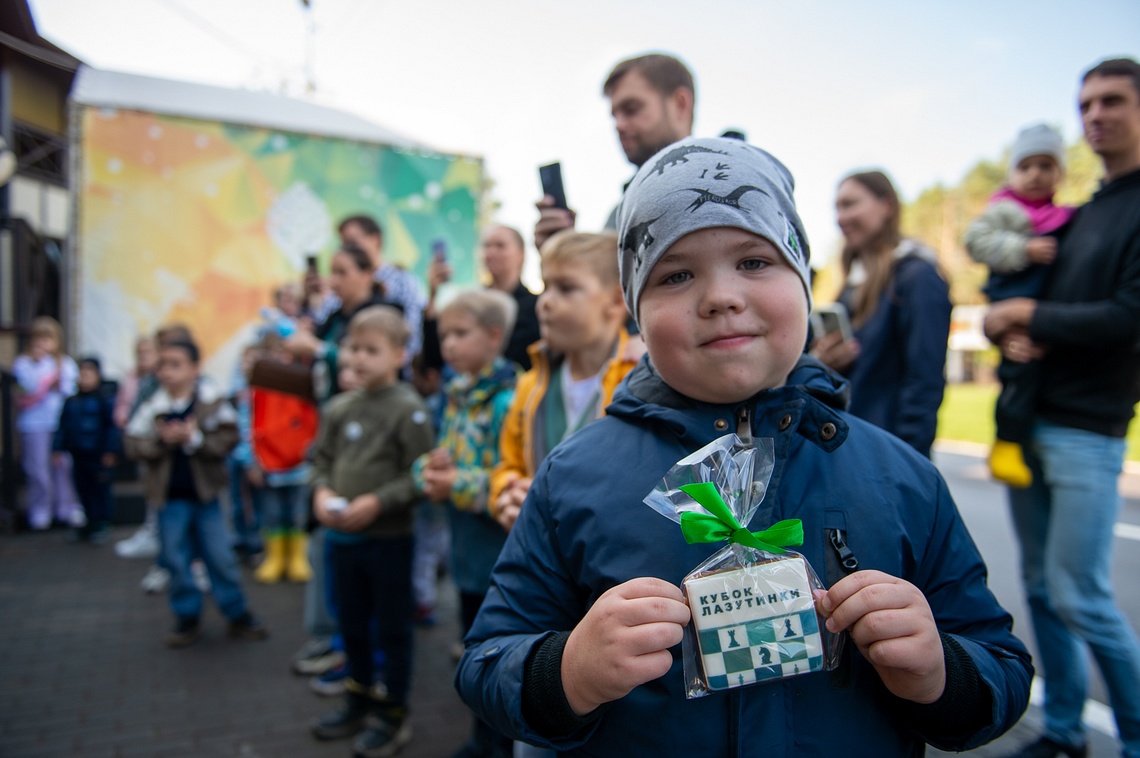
755, 651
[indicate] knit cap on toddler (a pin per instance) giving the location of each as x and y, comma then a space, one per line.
1039, 139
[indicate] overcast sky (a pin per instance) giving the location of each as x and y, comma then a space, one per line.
921, 89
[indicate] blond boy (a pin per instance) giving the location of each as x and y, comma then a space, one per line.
577, 365
363, 494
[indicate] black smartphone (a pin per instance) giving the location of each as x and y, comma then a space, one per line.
551, 177
311, 263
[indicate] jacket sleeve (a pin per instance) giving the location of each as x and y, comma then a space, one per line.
112, 435
924, 331
146, 448
415, 438
532, 597
997, 238
324, 450
219, 432
952, 576
471, 491
1101, 323
512, 461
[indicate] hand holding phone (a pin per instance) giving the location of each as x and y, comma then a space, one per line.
551, 177
829, 319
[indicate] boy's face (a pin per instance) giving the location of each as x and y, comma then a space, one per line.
373, 358
176, 372
1035, 177
465, 345
577, 310
89, 379
723, 315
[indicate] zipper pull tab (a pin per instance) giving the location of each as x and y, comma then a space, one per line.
744, 424
847, 558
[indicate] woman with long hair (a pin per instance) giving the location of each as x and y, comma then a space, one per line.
899, 307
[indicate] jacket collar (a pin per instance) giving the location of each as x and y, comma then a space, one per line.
810, 402
494, 378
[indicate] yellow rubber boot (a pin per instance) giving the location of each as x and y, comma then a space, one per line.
297, 568
1007, 464
272, 569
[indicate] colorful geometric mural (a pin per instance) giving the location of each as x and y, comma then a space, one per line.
181, 220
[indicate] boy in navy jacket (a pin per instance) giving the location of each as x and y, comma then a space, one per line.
576, 646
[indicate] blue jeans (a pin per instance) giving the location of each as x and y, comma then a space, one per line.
283, 509
1064, 523
187, 530
245, 509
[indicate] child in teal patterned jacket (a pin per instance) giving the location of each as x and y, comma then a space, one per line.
472, 328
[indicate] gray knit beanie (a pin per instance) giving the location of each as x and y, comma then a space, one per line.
704, 183
1039, 139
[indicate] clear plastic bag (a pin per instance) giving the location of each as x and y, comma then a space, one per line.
753, 601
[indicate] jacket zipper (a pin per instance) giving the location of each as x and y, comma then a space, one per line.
744, 424
847, 559
841, 561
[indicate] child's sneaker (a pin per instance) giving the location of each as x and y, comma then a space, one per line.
331, 683
1007, 464
248, 627
385, 733
156, 580
346, 720
185, 633
142, 544
319, 663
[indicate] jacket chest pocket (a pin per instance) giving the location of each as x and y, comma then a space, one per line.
841, 560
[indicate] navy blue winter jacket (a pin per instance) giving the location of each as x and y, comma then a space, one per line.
584, 529
898, 379
86, 425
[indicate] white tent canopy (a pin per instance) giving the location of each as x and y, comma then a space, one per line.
112, 89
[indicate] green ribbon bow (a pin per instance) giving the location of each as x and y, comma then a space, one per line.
722, 525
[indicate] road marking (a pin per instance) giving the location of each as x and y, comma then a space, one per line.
1096, 715
1126, 531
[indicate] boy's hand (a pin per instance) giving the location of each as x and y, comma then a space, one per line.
362, 510
57, 458
439, 458
1041, 249
170, 432
551, 220
510, 501
622, 642
322, 514
109, 460
890, 622
438, 482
